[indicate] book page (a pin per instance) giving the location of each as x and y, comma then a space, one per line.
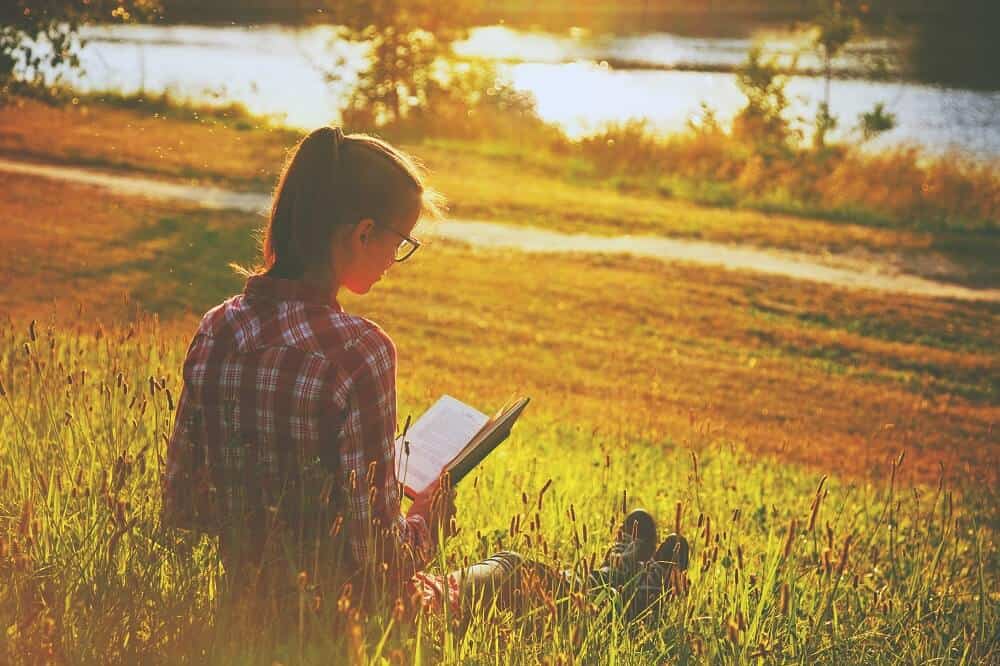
488, 438
434, 441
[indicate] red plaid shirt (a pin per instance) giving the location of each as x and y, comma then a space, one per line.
287, 396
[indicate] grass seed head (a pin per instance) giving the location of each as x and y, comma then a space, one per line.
814, 512
335, 528
733, 632
24, 525
541, 493
790, 538
844, 553
398, 610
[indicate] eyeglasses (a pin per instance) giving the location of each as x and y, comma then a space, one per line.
407, 246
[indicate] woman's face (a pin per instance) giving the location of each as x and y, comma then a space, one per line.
372, 252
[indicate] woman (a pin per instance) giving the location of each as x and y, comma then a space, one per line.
283, 439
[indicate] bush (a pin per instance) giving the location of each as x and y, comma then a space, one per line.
901, 187
468, 100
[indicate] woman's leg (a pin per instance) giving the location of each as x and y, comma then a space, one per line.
510, 581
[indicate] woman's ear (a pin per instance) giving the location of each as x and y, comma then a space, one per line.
363, 231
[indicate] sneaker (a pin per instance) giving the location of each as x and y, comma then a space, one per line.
663, 576
634, 545
673, 551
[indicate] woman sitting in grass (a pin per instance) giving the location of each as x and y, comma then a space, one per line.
283, 439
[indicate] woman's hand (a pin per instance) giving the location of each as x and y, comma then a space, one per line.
437, 506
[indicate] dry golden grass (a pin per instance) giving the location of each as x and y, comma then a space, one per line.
899, 187
506, 185
651, 351
629, 363
123, 139
75, 244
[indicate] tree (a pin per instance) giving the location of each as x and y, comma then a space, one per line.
836, 23
763, 118
407, 41
36, 35
833, 29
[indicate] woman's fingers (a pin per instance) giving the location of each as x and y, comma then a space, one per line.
437, 505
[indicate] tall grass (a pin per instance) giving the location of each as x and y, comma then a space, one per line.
903, 188
899, 187
786, 566
708, 163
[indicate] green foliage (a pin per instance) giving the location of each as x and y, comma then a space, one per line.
833, 28
36, 35
876, 122
405, 41
826, 122
762, 120
465, 99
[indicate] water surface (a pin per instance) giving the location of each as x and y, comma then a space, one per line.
280, 71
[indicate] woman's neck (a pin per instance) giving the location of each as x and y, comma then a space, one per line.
322, 279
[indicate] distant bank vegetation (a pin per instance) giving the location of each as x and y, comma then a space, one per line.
415, 89
949, 42
758, 161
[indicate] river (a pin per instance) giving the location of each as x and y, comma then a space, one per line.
278, 71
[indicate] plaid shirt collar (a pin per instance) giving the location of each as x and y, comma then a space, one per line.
279, 289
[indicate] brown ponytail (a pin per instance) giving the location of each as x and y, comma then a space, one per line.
331, 182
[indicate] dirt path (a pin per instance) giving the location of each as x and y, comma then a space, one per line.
835, 270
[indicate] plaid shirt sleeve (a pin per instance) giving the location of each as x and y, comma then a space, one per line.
379, 534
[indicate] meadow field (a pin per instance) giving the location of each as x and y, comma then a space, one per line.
831, 454
525, 176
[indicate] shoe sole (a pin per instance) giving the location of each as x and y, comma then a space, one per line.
674, 551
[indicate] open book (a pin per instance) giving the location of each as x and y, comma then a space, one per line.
450, 436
